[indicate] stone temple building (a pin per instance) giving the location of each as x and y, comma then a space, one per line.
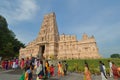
50, 44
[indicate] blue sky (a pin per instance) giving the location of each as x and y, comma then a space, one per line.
100, 18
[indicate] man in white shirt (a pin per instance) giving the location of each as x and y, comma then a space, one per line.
110, 70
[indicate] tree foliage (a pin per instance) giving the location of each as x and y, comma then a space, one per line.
115, 56
9, 45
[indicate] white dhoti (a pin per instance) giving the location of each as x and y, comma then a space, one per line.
103, 77
111, 73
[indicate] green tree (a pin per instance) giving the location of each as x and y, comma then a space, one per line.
115, 56
9, 45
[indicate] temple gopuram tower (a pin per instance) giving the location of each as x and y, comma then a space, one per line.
49, 44
48, 36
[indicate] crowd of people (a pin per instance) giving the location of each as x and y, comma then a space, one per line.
114, 71
46, 70
10, 64
43, 69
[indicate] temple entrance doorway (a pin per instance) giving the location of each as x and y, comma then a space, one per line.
42, 50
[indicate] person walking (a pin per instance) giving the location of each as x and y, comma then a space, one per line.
14, 64
48, 71
3, 64
104, 68
60, 70
115, 71
103, 76
65, 67
87, 74
22, 63
46, 68
40, 71
52, 70
110, 68
7, 65
28, 73
118, 69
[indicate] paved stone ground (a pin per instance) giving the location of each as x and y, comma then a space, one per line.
77, 76
9, 74
15, 75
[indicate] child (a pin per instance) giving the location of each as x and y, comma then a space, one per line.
28, 73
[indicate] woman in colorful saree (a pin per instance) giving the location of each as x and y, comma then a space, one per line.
60, 70
22, 63
87, 74
115, 71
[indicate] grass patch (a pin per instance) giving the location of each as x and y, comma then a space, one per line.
77, 65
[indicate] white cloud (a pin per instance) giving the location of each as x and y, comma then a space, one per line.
18, 10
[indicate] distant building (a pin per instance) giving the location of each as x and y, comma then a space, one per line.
49, 44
